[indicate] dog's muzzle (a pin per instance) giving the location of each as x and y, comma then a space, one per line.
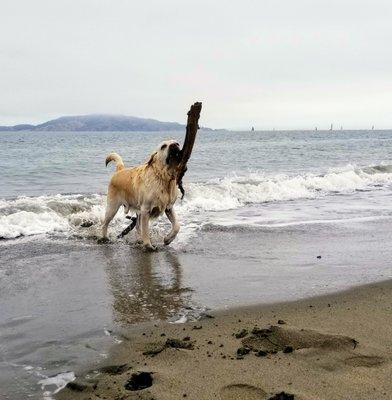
174, 154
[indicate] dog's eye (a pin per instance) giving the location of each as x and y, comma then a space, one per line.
163, 146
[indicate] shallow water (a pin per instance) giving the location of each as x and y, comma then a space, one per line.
259, 208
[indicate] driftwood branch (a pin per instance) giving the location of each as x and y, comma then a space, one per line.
190, 136
128, 228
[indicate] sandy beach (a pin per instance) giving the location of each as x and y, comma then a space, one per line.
330, 347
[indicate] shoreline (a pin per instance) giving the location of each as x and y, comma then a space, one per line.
334, 346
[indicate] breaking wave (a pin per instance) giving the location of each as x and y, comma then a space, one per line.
236, 191
80, 215
26, 216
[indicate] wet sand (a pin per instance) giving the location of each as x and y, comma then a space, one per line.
331, 347
64, 301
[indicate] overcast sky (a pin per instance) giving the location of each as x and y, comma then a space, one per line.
270, 64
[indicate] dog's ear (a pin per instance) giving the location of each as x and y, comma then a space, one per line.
151, 160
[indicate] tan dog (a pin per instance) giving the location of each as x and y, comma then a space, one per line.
149, 190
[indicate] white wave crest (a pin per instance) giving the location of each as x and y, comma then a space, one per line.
26, 223
236, 191
26, 216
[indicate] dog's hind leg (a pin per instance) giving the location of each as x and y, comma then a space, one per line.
111, 210
175, 226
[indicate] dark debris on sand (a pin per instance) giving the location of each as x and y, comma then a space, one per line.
282, 396
81, 386
261, 353
114, 369
241, 334
242, 351
179, 344
153, 349
139, 381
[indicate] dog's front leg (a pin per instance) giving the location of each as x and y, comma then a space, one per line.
175, 226
145, 233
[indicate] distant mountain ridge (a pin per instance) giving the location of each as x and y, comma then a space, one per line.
98, 122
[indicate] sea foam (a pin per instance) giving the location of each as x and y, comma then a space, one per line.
55, 383
236, 191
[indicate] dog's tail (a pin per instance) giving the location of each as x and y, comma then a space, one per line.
117, 159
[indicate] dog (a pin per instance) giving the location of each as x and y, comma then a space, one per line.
149, 190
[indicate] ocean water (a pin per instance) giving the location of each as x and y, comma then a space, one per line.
259, 209
52, 181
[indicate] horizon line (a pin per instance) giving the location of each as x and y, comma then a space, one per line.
316, 128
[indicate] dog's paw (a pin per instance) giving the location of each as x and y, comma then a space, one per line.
102, 240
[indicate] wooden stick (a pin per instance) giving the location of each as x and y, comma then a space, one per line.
128, 228
191, 130
190, 136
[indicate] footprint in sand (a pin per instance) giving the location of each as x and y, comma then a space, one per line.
277, 338
242, 391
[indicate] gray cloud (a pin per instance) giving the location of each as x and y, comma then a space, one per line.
282, 64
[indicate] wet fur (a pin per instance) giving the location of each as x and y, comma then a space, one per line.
149, 190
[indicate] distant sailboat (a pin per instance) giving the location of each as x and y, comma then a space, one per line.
253, 129
372, 127
331, 128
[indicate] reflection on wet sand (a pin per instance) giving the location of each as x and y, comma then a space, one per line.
145, 286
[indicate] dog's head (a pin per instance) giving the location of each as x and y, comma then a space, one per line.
168, 154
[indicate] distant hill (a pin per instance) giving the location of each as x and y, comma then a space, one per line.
22, 127
98, 122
